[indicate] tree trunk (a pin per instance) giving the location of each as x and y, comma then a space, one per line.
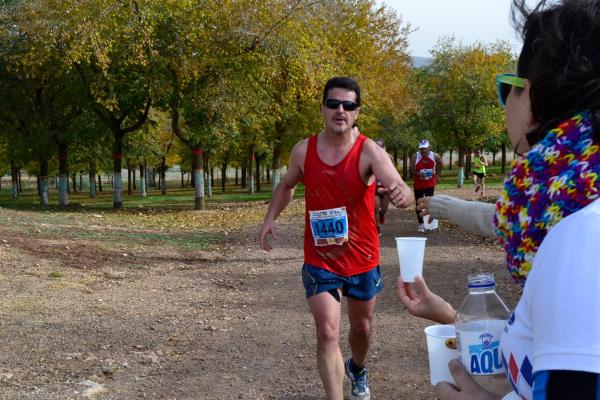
257, 173
19, 180
163, 176
244, 172
129, 183
43, 185
251, 170
143, 189
74, 181
211, 176
494, 158
461, 168
405, 167
276, 166
92, 174
209, 180
224, 173
182, 177
14, 180
100, 183
450, 163
503, 159
117, 184
198, 168
63, 176
468, 164
236, 176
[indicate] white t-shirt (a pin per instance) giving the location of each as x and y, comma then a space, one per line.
556, 324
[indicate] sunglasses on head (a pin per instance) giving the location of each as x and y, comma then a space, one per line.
347, 105
504, 82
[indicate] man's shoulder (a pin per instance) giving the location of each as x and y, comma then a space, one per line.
302, 145
369, 146
298, 153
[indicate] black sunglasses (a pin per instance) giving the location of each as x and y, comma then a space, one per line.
347, 105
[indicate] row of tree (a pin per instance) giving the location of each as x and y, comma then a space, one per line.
92, 85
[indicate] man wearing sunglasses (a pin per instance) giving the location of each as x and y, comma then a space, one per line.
341, 245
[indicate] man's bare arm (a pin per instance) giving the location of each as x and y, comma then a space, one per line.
283, 193
382, 167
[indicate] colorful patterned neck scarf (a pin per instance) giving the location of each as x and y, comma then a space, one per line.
556, 178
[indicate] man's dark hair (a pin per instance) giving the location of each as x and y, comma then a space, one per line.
560, 57
342, 82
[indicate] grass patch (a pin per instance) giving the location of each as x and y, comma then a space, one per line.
55, 275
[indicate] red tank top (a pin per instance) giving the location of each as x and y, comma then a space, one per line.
424, 177
329, 189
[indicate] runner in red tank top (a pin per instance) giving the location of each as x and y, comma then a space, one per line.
332, 186
341, 248
426, 169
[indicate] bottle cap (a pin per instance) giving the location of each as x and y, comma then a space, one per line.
481, 281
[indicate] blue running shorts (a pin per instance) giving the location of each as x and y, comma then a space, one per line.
360, 287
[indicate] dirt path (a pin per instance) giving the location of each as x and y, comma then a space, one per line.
230, 322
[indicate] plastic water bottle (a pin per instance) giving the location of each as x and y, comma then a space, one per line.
479, 324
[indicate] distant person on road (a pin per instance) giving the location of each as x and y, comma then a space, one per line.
341, 246
478, 169
381, 200
426, 170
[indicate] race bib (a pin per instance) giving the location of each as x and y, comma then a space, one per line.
426, 174
329, 226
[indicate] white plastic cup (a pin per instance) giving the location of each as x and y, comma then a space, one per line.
411, 251
441, 348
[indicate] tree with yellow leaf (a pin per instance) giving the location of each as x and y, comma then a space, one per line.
460, 104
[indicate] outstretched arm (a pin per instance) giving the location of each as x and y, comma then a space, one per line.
473, 216
380, 164
283, 193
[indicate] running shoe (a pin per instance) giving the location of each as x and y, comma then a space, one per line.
360, 387
421, 228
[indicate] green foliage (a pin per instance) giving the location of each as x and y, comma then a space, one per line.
459, 103
227, 76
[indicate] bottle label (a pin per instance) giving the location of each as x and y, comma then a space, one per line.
479, 346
